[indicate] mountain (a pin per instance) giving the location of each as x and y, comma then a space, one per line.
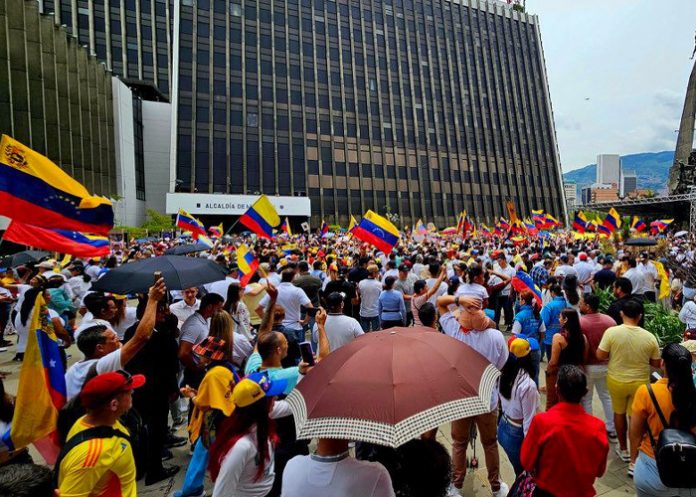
652, 169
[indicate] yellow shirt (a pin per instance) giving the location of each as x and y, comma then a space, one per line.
252, 302
642, 403
630, 349
101, 467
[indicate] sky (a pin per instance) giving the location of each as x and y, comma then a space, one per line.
617, 73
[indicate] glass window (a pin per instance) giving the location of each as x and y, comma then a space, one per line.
252, 119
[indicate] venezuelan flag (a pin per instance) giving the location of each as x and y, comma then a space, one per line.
522, 281
187, 222
247, 262
378, 231
216, 231
285, 227
41, 392
34, 190
580, 222
324, 228
486, 231
66, 242
613, 220
261, 217
503, 224
659, 225
638, 224
353, 224
550, 221
603, 230
539, 218
529, 224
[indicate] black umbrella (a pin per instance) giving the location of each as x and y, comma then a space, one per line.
640, 242
179, 272
186, 249
23, 257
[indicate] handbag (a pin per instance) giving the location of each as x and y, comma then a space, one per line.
675, 452
524, 486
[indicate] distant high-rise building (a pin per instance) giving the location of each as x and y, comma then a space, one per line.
570, 188
629, 183
609, 169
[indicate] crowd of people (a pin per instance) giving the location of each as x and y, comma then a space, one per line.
221, 358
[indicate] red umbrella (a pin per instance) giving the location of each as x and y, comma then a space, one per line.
388, 387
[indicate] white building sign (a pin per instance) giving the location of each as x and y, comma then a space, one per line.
233, 205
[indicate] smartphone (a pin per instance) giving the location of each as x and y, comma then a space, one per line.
311, 311
157, 275
307, 353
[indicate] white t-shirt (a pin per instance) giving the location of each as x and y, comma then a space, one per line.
183, 311
21, 290
335, 476
472, 290
369, 289
510, 272
438, 293
340, 330
637, 279
238, 471
220, 287
290, 298
76, 374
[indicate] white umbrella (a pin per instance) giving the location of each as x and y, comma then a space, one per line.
681, 233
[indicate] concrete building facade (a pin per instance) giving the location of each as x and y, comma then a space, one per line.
608, 169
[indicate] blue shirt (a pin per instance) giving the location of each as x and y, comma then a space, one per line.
550, 315
530, 324
292, 375
391, 306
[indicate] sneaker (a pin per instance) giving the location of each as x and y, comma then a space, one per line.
174, 441
453, 491
623, 454
631, 467
502, 491
611, 435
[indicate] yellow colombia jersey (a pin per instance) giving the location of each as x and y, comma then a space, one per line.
101, 467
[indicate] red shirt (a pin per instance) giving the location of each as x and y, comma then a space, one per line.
566, 449
593, 327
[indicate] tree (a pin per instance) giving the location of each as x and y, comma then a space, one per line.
154, 221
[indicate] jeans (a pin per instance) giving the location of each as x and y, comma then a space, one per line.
648, 483
195, 472
510, 439
298, 334
487, 428
369, 323
597, 378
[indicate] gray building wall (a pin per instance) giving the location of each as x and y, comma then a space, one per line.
156, 140
54, 97
421, 108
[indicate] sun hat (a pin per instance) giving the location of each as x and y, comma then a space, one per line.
255, 387
105, 386
211, 347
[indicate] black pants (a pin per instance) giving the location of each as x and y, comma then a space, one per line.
503, 303
155, 416
541, 493
650, 296
391, 324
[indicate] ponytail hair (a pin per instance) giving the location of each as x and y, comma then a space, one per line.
473, 272
681, 385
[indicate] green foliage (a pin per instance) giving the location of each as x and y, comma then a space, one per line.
130, 231
664, 324
606, 297
518, 7
154, 221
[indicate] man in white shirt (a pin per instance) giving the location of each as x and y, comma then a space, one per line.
93, 269
292, 299
332, 471
584, 271
636, 277
650, 276
340, 329
104, 352
491, 344
434, 270
220, 287
418, 267
186, 307
369, 290
503, 302
565, 268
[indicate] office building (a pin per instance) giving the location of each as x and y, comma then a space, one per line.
608, 169
132, 37
598, 192
418, 108
629, 183
570, 190
55, 97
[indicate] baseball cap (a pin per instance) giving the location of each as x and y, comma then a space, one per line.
582, 256
256, 386
105, 386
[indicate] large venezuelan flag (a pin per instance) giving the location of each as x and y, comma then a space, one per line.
187, 222
261, 217
378, 231
63, 241
34, 190
248, 264
41, 392
613, 220
522, 281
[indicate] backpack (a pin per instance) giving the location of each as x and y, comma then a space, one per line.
675, 453
83, 436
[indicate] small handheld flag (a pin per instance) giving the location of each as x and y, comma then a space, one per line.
353, 224
261, 217
324, 228
580, 222
187, 222
247, 262
613, 220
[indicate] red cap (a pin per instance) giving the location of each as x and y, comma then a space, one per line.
105, 386
583, 256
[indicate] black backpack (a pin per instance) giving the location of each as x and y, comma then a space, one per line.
675, 453
83, 436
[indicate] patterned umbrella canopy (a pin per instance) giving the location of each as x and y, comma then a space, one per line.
388, 387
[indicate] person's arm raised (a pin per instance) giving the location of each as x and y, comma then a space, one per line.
323, 340
267, 320
147, 323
